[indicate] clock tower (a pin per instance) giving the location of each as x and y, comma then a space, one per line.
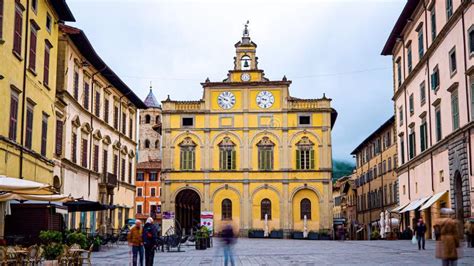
247, 153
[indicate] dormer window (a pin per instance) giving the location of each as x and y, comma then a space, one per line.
245, 62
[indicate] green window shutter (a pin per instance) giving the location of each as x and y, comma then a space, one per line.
271, 159
259, 159
221, 159
432, 82
298, 159
422, 138
193, 160
312, 159
234, 160
181, 159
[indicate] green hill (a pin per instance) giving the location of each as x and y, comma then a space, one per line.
341, 168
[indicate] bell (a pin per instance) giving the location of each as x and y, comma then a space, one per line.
246, 63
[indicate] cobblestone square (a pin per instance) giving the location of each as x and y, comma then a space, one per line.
293, 252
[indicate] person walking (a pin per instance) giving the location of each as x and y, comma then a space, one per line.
469, 231
135, 240
447, 250
420, 231
150, 239
228, 240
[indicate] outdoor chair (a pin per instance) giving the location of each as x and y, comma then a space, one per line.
12, 257
87, 258
32, 255
66, 258
3, 256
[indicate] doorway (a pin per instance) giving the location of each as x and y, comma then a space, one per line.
188, 211
458, 194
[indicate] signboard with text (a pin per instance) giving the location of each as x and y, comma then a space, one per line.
207, 220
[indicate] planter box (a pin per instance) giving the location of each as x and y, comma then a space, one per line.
297, 235
256, 234
276, 234
201, 244
313, 236
324, 237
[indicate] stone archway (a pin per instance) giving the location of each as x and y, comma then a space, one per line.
458, 196
187, 210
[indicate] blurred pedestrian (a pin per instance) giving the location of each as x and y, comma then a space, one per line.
228, 240
135, 240
469, 231
447, 248
420, 230
150, 239
341, 231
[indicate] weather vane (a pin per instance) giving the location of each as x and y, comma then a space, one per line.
246, 30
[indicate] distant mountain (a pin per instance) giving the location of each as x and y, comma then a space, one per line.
341, 168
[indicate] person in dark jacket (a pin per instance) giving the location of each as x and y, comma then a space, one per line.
420, 231
150, 238
228, 240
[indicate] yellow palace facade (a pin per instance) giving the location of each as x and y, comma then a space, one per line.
248, 153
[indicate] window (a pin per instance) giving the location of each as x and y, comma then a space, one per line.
411, 143
48, 22
76, 83
59, 137
157, 119
140, 176
157, 144
34, 5
423, 136
139, 209
226, 209
153, 176
389, 164
153, 192
96, 158
471, 39
188, 121
187, 154
124, 123
435, 79
47, 49
452, 61
402, 150
97, 103
29, 125
449, 8
227, 154
305, 209
74, 147
422, 93
130, 129
433, 23
305, 154
400, 115
18, 29
265, 154
159, 191
147, 119
116, 110
44, 134
416, 187
304, 120
1, 19
33, 40
147, 144
122, 173
13, 115
115, 164
409, 59
421, 48
399, 72
84, 153
438, 123
86, 96
106, 110
106, 160
455, 109
441, 176
411, 104
266, 208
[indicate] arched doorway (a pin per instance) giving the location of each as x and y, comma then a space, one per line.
188, 210
458, 196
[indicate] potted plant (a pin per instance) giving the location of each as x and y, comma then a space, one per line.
96, 243
52, 246
77, 238
206, 236
200, 240
324, 234
375, 235
312, 235
297, 235
276, 234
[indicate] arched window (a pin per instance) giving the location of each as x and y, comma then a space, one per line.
147, 119
305, 209
147, 144
157, 144
226, 209
265, 154
266, 208
187, 154
304, 154
227, 154
158, 119
245, 62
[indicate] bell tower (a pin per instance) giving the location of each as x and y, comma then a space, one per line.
245, 49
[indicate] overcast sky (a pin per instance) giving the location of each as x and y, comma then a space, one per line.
330, 47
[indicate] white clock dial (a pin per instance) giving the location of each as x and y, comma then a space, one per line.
226, 100
245, 77
265, 99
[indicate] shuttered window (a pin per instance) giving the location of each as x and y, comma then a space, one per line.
130, 172
122, 174
435, 79
187, 158
74, 148
449, 8
438, 124
76, 85
116, 111
18, 29
130, 131
59, 137
455, 109
44, 134
84, 153
266, 208
29, 126
421, 46
1, 19
265, 154
423, 136
47, 49
13, 115
96, 157
226, 206
105, 158
411, 144
86, 96
106, 110
227, 154
305, 154
33, 40
433, 24
115, 164
97, 104
124, 123
305, 209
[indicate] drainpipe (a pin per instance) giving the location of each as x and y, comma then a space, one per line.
23, 102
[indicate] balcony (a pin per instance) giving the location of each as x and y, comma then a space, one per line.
109, 180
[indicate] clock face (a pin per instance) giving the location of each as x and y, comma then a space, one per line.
245, 77
265, 99
226, 100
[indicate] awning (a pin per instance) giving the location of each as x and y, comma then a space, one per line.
397, 209
16, 185
26, 197
87, 206
414, 204
433, 199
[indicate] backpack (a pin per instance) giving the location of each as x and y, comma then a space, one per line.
149, 236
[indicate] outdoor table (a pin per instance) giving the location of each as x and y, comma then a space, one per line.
20, 254
76, 254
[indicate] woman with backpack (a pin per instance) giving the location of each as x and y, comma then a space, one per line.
150, 237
